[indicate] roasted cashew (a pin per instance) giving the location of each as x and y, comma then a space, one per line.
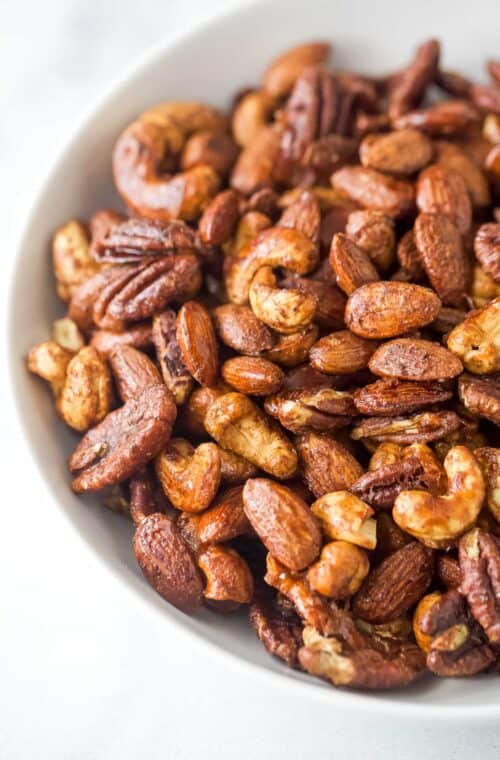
285, 310
477, 339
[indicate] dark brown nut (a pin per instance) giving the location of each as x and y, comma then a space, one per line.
375, 191
252, 376
346, 518
285, 310
352, 266
387, 309
448, 571
235, 469
239, 328
71, 258
283, 522
324, 409
341, 353
124, 441
326, 465
85, 397
487, 249
330, 301
394, 397
442, 254
264, 202
390, 537
303, 215
384, 454
50, 361
448, 318
276, 247
131, 240
211, 149
395, 585
409, 256
197, 342
281, 74
480, 396
418, 428
402, 153
291, 350
453, 83
412, 359
166, 562
340, 570
329, 153
306, 378
451, 156
373, 232
66, 333
237, 424
138, 336
451, 117
468, 663
224, 520
146, 496
477, 340
279, 630
438, 520
192, 419
219, 219
443, 191
228, 577
133, 371
84, 297
479, 556
115, 499
431, 607
489, 459
189, 477
168, 352
413, 81
254, 167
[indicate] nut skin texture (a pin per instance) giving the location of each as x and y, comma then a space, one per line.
489, 459
477, 340
480, 396
291, 350
189, 477
443, 191
71, 258
85, 398
279, 630
219, 219
437, 521
50, 361
341, 353
166, 562
283, 522
374, 190
326, 465
124, 441
395, 585
345, 517
411, 83
133, 371
401, 153
340, 570
239, 328
175, 375
487, 249
252, 376
410, 359
373, 232
197, 342
281, 74
441, 251
422, 427
451, 156
352, 266
237, 424
138, 336
395, 397
228, 577
388, 309
479, 556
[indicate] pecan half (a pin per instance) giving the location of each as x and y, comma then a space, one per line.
279, 630
175, 374
423, 427
481, 396
487, 249
135, 239
479, 555
395, 397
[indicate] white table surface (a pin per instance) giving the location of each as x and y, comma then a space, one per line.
86, 673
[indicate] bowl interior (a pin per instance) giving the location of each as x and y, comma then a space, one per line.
211, 64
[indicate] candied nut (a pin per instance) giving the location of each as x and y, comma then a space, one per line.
411, 359
487, 249
291, 350
402, 153
477, 340
442, 254
237, 424
212, 149
424, 640
190, 477
303, 215
305, 378
480, 396
491, 128
197, 342
166, 562
341, 353
395, 397
387, 309
276, 247
133, 371
254, 166
192, 420
138, 336
323, 409
224, 520
345, 517
239, 328
85, 397
249, 227
374, 190
284, 310
326, 465
131, 240
448, 571
330, 301
439, 520
422, 428
411, 84
219, 219
71, 258
484, 288
385, 454
124, 441
390, 537
252, 376
67, 335
479, 556
327, 154
409, 256
233, 468
451, 156
281, 73
489, 459
373, 232
252, 112
396, 585
340, 570
450, 117
50, 361
168, 352
228, 577
146, 496
283, 522
443, 191
352, 266
279, 630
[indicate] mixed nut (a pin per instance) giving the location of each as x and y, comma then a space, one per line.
285, 361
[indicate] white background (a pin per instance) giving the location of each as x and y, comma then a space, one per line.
85, 673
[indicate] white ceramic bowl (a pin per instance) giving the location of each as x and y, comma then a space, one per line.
210, 64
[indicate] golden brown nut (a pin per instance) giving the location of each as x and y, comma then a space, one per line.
282, 72
484, 288
252, 112
286, 310
85, 398
345, 517
66, 333
341, 353
373, 232
72, 261
424, 640
190, 477
133, 371
228, 577
252, 375
477, 340
50, 361
340, 570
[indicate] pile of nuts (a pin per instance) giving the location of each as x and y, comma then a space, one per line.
285, 362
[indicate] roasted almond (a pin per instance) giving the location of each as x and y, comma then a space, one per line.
442, 253
443, 191
352, 266
326, 465
197, 341
133, 371
374, 190
252, 376
395, 397
410, 359
341, 353
402, 153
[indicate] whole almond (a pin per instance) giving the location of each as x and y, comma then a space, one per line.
374, 233
402, 153
374, 190
352, 266
386, 309
395, 397
410, 359
283, 522
252, 376
239, 328
197, 341
442, 253
443, 191
220, 218
133, 371
326, 464
452, 156
341, 353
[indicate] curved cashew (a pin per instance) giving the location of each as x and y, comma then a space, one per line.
477, 339
438, 520
285, 310
345, 517
71, 258
340, 570
252, 112
227, 574
189, 477
50, 361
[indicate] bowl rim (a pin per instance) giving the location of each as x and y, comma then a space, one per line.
344, 699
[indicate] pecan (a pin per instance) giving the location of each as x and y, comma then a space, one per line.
124, 441
133, 371
423, 427
340, 353
252, 376
282, 73
352, 266
395, 397
441, 190
441, 251
481, 396
326, 464
189, 477
450, 117
374, 190
168, 352
135, 239
197, 342
402, 153
279, 631
485, 97
373, 232
410, 359
413, 81
323, 409
219, 219
479, 555
489, 459
487, 249
239, 328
